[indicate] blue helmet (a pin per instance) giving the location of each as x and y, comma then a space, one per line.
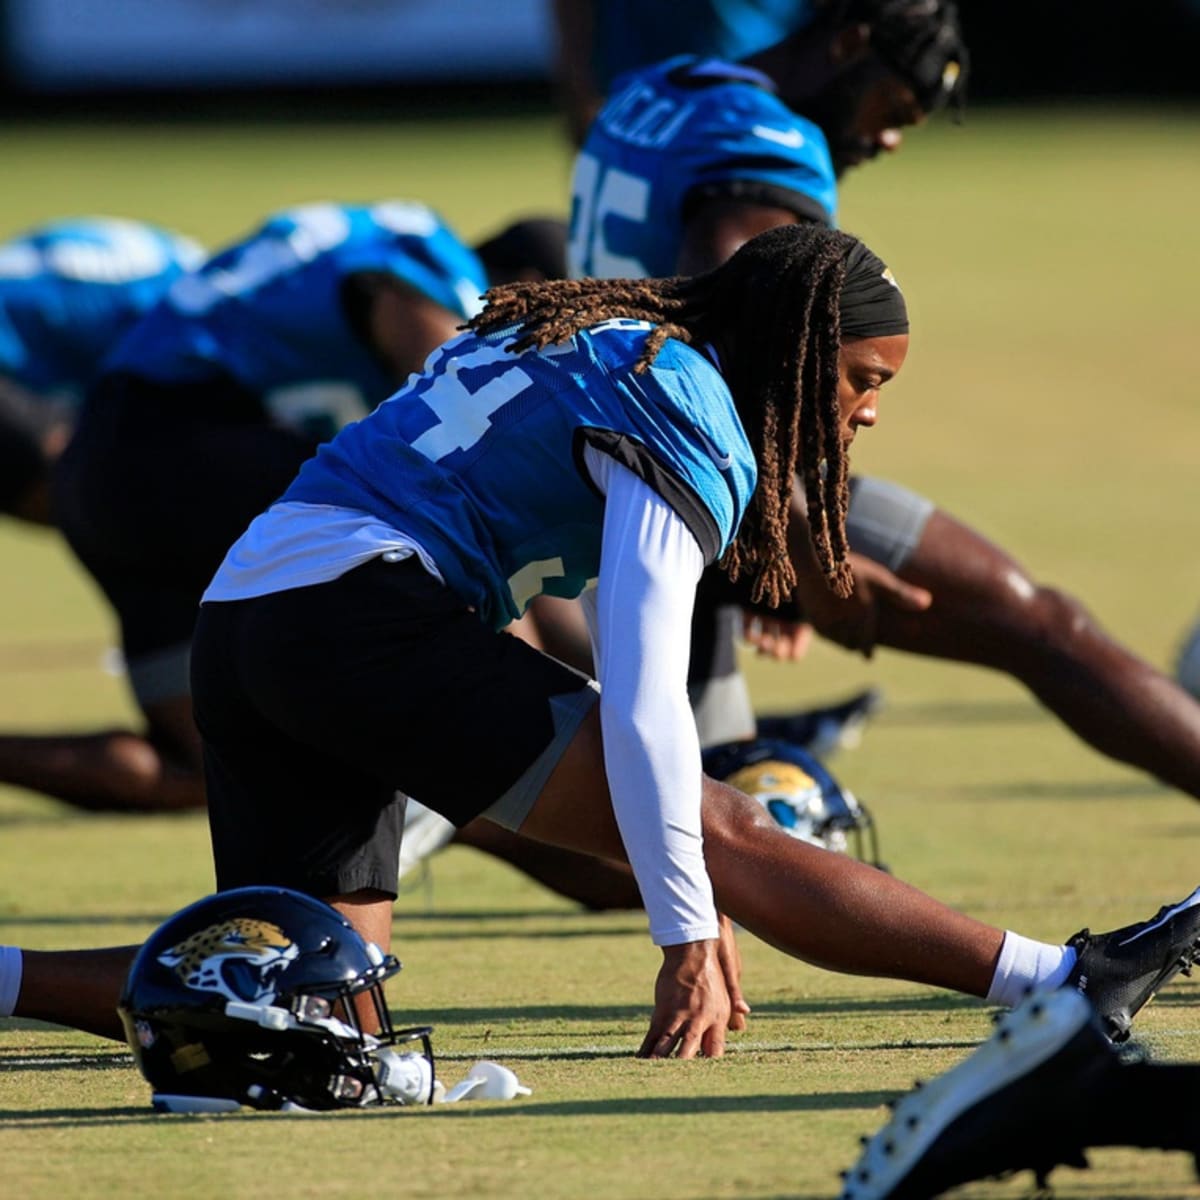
247, 998
799, 792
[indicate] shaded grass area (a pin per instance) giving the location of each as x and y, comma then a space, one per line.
1050, 258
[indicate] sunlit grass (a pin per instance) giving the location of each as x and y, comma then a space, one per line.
1050, 258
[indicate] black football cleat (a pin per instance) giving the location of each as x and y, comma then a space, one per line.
822, 731
1013, 1105
1119, 971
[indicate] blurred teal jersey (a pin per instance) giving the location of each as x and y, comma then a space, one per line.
673, 135
69, 290
267, 312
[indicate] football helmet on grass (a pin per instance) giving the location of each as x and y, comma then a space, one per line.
248, 997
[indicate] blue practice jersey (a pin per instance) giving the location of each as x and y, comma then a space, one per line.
480, 459
672, 135
71, 289
634, 33
267, 312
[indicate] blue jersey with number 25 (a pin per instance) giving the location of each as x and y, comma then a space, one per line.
672, 133
480, 459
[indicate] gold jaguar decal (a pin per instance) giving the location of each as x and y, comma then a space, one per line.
237, 959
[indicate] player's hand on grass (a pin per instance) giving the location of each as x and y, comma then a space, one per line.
691, 1003
731, 968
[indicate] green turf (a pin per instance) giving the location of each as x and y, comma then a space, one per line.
1050, 258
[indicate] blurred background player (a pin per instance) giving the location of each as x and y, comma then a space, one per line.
68, 291
202, 416
691, 157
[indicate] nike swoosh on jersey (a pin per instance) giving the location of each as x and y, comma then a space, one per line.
723, 461
792, 138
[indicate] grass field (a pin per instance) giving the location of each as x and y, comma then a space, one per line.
1051, 260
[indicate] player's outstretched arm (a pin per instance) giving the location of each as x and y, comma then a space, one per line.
76, 988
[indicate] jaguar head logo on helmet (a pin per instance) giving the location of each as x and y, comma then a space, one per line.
237, 958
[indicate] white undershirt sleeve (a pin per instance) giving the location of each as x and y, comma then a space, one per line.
640, 615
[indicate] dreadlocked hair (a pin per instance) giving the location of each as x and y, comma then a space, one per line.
776, 303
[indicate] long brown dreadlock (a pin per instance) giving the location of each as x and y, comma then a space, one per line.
776, 303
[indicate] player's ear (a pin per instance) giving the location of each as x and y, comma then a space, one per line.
849, 42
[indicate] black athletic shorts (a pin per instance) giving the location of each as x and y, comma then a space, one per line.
157, 483
317, 704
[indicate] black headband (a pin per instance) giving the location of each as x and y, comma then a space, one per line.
871, 304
